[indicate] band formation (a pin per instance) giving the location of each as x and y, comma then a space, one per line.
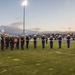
9, 42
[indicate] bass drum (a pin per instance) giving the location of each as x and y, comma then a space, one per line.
15, 40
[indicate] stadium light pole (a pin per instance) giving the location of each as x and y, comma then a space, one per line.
24, 4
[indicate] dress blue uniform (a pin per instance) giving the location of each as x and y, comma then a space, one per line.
2, 43
11, 42
51, 42
22, 42
27, 41
17, 43
35, 42
7, 42
43, 41
59, 41
68, 41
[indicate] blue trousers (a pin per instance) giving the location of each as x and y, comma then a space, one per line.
43, 44
35, 43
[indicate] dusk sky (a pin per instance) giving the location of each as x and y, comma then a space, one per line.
48, 15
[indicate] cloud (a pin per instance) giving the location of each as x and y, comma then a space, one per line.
13, 28
35, 29
16, 24
9, 28
16, 28
17, 18
38, 29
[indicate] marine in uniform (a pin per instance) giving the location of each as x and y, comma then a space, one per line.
17, 42
22, 42
11, 42
2, 43
35, 41
68, 41
27, 41
43, 41
51, 42
60, 41
7, 41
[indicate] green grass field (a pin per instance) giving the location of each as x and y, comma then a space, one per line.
38, 61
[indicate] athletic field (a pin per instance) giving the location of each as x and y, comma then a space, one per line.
38, 61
